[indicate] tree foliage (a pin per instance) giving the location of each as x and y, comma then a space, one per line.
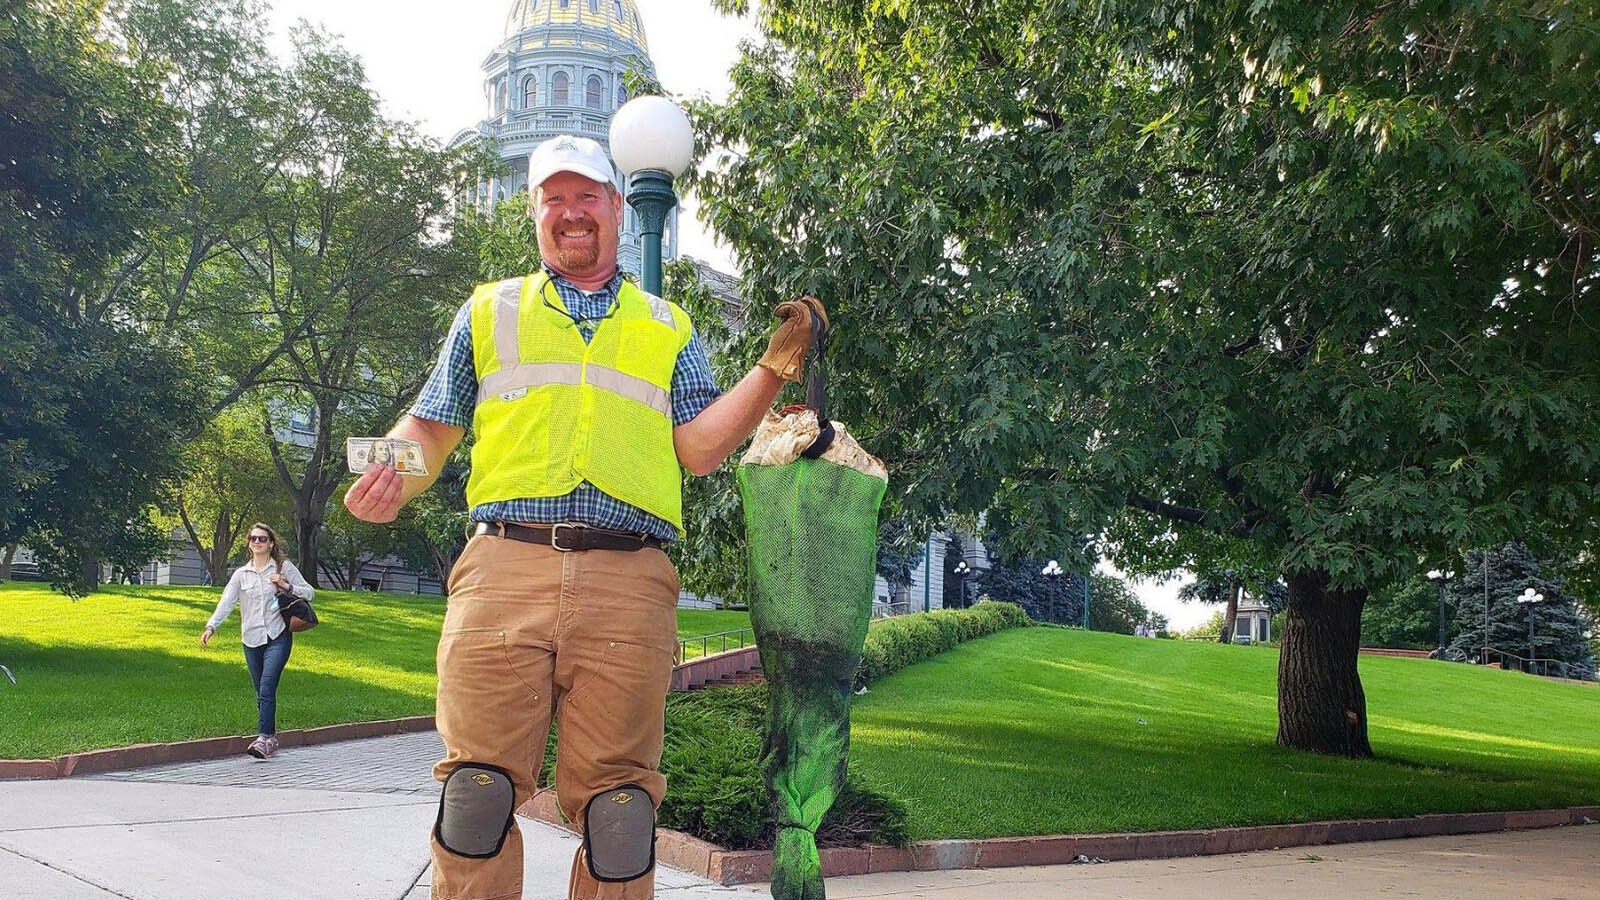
1491, 624
228, 483
92, 407
1114, 607
1022, 580
1302, 279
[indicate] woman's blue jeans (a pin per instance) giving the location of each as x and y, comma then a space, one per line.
266, 664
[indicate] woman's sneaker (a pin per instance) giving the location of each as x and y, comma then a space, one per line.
262, 747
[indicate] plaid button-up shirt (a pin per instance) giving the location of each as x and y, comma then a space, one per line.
451, 394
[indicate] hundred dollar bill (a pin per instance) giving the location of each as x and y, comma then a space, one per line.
362, 453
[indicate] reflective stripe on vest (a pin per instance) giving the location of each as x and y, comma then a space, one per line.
554, 410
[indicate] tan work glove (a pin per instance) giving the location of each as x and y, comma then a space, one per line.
786, 349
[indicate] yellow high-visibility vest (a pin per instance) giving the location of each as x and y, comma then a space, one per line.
554, 410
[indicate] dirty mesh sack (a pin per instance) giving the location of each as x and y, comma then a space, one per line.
812, 527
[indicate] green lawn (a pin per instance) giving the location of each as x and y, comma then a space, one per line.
1048, 731
124, 665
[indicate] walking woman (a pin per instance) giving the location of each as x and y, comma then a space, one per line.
267, 640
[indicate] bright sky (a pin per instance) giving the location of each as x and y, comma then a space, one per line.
424, 59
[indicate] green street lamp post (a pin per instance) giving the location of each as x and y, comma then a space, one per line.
652, 143
1440, 579
1532, 598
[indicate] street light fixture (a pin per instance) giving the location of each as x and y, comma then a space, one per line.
1440, 578
1532, 598
1051, 571
652, 143
962, 570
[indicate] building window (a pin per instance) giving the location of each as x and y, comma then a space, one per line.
622, 94
616, 7
594, 6
592, 92
565, 3
1244, 627
530, 92
559, 93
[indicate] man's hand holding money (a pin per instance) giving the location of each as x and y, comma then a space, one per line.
378, 494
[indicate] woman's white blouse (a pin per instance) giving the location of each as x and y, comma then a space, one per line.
253, 592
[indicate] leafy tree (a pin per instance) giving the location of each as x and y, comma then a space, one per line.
1045, 598
347, 236
1404, 615
1209, 630
228, 484
1229, 587
506, 238
1114, 607
955, 594
92, 409
432, 529
1486, 587
1298, 279
1225, 588
899, 551
346, 545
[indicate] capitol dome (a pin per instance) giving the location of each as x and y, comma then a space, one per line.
618, 16
562, 67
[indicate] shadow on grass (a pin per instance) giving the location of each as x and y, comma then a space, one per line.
70, 698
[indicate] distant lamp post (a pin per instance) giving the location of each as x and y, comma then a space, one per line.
962, 570
652, 143
1441, 579
1051, 572
1532, 598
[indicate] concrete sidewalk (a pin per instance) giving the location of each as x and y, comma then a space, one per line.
350, 821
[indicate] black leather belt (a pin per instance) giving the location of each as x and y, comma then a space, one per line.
568, 537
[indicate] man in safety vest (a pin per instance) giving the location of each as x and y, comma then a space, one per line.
586, 395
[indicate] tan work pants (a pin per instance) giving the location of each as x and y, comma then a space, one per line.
531, 631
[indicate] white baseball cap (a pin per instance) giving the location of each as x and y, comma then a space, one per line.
569, 153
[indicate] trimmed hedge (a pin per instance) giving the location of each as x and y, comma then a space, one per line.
894, 644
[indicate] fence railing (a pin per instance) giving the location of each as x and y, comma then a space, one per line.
722, 640
1549, 668
890, 610
744, 637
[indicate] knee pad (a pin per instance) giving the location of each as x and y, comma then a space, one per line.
475, 810
619, 834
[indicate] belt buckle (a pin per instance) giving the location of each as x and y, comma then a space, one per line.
555, 536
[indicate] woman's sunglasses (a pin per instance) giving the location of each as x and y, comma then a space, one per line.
259, 539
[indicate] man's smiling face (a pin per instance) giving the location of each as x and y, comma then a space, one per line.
577, 220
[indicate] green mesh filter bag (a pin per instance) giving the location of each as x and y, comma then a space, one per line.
812, 526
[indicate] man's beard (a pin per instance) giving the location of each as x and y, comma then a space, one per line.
577, 257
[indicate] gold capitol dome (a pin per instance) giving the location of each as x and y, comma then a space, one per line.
539, 22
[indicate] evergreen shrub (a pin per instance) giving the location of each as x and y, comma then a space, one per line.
896, 643
712, 760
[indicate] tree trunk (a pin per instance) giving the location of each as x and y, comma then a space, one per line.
1321, 707
307, 534
5, 562
443, 560
1231, 617
222, 537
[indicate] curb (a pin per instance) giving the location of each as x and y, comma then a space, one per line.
730, 867
140, 755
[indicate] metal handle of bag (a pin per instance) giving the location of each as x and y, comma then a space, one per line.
817, 388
